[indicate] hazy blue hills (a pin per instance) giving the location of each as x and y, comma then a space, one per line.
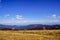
29, 27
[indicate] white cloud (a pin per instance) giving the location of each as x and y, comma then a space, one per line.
54, 21
13, 22
58, 16
19, 17
51, 21
54, 16
6, 15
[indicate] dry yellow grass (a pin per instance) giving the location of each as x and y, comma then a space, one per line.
30, 35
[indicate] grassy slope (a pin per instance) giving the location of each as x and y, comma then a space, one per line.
30, 35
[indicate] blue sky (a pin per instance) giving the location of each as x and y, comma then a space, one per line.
29, 11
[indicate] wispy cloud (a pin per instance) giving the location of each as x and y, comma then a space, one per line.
58, 16
6, 15
54, 21
19, 17
15, 21
54, 16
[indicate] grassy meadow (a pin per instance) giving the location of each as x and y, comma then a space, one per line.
30, 35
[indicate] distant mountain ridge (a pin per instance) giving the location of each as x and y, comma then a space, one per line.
29, 27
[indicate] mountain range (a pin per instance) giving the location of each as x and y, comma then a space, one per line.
29, 27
